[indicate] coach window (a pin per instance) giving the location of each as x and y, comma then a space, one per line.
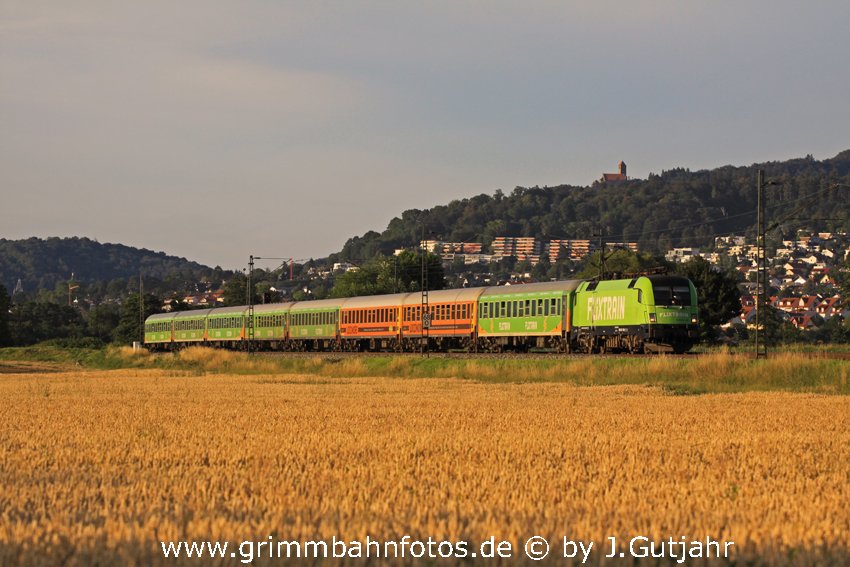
521, 308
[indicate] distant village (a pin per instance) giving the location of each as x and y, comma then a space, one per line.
802, 269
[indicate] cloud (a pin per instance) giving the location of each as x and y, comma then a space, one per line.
351, 112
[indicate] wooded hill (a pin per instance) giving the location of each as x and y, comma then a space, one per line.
44, 263
674, 209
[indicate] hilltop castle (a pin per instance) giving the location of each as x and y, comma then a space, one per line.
615, 177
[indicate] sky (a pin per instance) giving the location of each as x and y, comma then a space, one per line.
217, 130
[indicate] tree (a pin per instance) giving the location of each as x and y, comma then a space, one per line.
235, 291
36, 321
5, 305
617, 262
129, 327
396, 274
103, 320
717, 294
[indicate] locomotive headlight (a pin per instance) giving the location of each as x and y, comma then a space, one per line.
694, 319
652, 318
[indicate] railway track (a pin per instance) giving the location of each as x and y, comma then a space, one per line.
338, 356
334, 356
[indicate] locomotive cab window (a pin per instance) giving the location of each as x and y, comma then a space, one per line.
672, 295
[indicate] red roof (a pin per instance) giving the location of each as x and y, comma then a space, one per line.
613, 177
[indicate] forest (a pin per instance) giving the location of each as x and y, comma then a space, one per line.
676, 208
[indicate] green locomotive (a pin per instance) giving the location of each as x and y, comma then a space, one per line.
645, 314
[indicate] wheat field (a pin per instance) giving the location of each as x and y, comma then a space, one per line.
100, 467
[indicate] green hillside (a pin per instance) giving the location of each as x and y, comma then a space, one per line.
44, 263
676, 208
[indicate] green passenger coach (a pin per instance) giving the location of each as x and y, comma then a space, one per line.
226, 325
158, 329
520, 317
314, 325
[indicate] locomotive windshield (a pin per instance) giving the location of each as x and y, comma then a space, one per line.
670, 291
675, 295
